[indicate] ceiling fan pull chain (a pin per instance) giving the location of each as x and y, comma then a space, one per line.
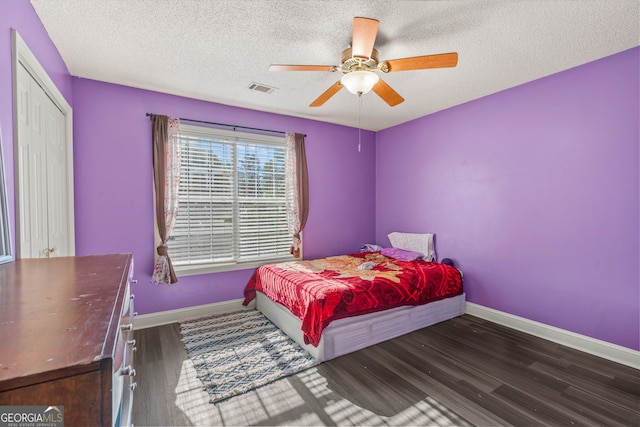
359, 125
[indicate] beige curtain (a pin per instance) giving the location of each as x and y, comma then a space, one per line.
297, 188
166, 178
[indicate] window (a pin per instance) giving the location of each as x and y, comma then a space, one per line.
232, 206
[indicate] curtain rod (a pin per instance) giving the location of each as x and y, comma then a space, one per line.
227, 125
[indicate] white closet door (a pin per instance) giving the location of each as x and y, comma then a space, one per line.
57, 194
42, 172
32, 168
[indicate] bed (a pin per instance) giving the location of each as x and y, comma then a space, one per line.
336, 305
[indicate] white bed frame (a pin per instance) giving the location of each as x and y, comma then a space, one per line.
354, 333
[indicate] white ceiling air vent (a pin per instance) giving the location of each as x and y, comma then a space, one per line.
259, 87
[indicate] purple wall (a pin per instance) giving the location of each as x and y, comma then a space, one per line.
534, 192
113, 190
19, 15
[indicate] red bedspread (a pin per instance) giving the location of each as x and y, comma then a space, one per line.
323, 290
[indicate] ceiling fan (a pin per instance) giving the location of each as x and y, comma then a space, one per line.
360, 63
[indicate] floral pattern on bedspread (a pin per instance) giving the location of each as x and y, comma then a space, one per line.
320, 291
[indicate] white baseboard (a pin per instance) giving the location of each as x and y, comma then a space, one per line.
613, 352
584, 343
173, 316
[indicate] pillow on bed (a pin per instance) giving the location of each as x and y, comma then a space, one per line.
402, 254
370, 247
416, 242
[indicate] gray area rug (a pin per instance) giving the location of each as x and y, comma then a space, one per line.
240, 351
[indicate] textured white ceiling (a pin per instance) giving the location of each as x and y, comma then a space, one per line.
213, 50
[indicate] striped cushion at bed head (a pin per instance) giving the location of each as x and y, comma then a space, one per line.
417, 242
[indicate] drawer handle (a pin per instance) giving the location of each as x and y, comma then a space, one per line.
127, 327
133, 296
133, 386
132, 343
128, 370
134, 280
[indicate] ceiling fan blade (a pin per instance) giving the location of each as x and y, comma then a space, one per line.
389, 95
363, 37
283, 67
442, 60
327, 94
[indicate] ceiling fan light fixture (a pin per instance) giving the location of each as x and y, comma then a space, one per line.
359, 82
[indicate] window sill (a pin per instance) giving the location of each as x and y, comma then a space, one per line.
192, 270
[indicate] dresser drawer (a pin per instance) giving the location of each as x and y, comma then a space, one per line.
124, 372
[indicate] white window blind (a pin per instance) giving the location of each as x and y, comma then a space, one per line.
232, 206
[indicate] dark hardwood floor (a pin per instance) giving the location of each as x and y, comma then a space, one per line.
465, 371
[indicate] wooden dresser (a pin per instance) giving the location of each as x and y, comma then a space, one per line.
66, 337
